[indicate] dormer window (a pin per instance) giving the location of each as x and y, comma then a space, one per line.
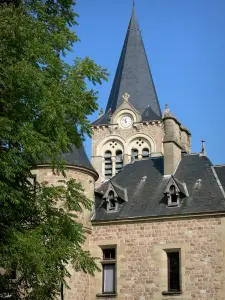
111, 202
114, 197
175, 192
173, 196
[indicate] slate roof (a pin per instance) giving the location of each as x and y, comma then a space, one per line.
146, 184
76, 157
220, 171
133, 76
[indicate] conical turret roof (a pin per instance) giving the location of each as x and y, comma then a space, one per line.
76, 157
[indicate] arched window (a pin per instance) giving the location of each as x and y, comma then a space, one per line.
111, 201
145, 153
134, 154
119, 161
173, 195
108, 164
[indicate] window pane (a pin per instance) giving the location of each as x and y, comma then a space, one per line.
108, 154
173, 194
173, 271
119, 161
109, 253
145, 153
134, 154
108, 171
108, 165
119, 155
109, 278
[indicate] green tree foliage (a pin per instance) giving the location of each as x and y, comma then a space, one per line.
44, 103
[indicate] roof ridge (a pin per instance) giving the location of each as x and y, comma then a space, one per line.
192, 153
117, 185
218, 181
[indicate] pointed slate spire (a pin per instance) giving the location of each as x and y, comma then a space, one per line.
133, 76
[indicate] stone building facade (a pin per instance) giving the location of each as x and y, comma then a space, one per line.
157, 229
141, 259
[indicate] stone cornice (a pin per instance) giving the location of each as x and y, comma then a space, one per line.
172, 140
159, 219
78, 168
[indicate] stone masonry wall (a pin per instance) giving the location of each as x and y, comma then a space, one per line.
153, 130
142, 259
101, 135
87, 181
78, 282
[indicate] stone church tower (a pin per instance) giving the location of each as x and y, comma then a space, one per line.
132, 127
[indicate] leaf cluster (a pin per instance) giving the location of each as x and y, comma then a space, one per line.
44, 104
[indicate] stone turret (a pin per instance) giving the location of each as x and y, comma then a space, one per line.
176, 141
78, 167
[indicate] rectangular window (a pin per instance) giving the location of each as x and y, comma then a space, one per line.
109, 271
173, 258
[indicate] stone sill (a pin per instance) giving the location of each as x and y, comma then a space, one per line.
171, 293
105, 262
106, 295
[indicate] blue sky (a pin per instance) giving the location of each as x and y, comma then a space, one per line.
185, 45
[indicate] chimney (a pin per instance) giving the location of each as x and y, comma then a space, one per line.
185, 139
171, 142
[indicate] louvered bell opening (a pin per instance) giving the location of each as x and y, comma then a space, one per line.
145, 153
134, 154
119, 161
108, 164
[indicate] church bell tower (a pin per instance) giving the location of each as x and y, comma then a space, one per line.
131, 127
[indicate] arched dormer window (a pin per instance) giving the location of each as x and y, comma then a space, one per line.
111, 201
173, 199
108, 164
119, 161
145, 153
134, 154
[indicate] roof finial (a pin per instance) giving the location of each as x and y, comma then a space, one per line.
203, 152
101, 113
133, 3
167, 110
126, 96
